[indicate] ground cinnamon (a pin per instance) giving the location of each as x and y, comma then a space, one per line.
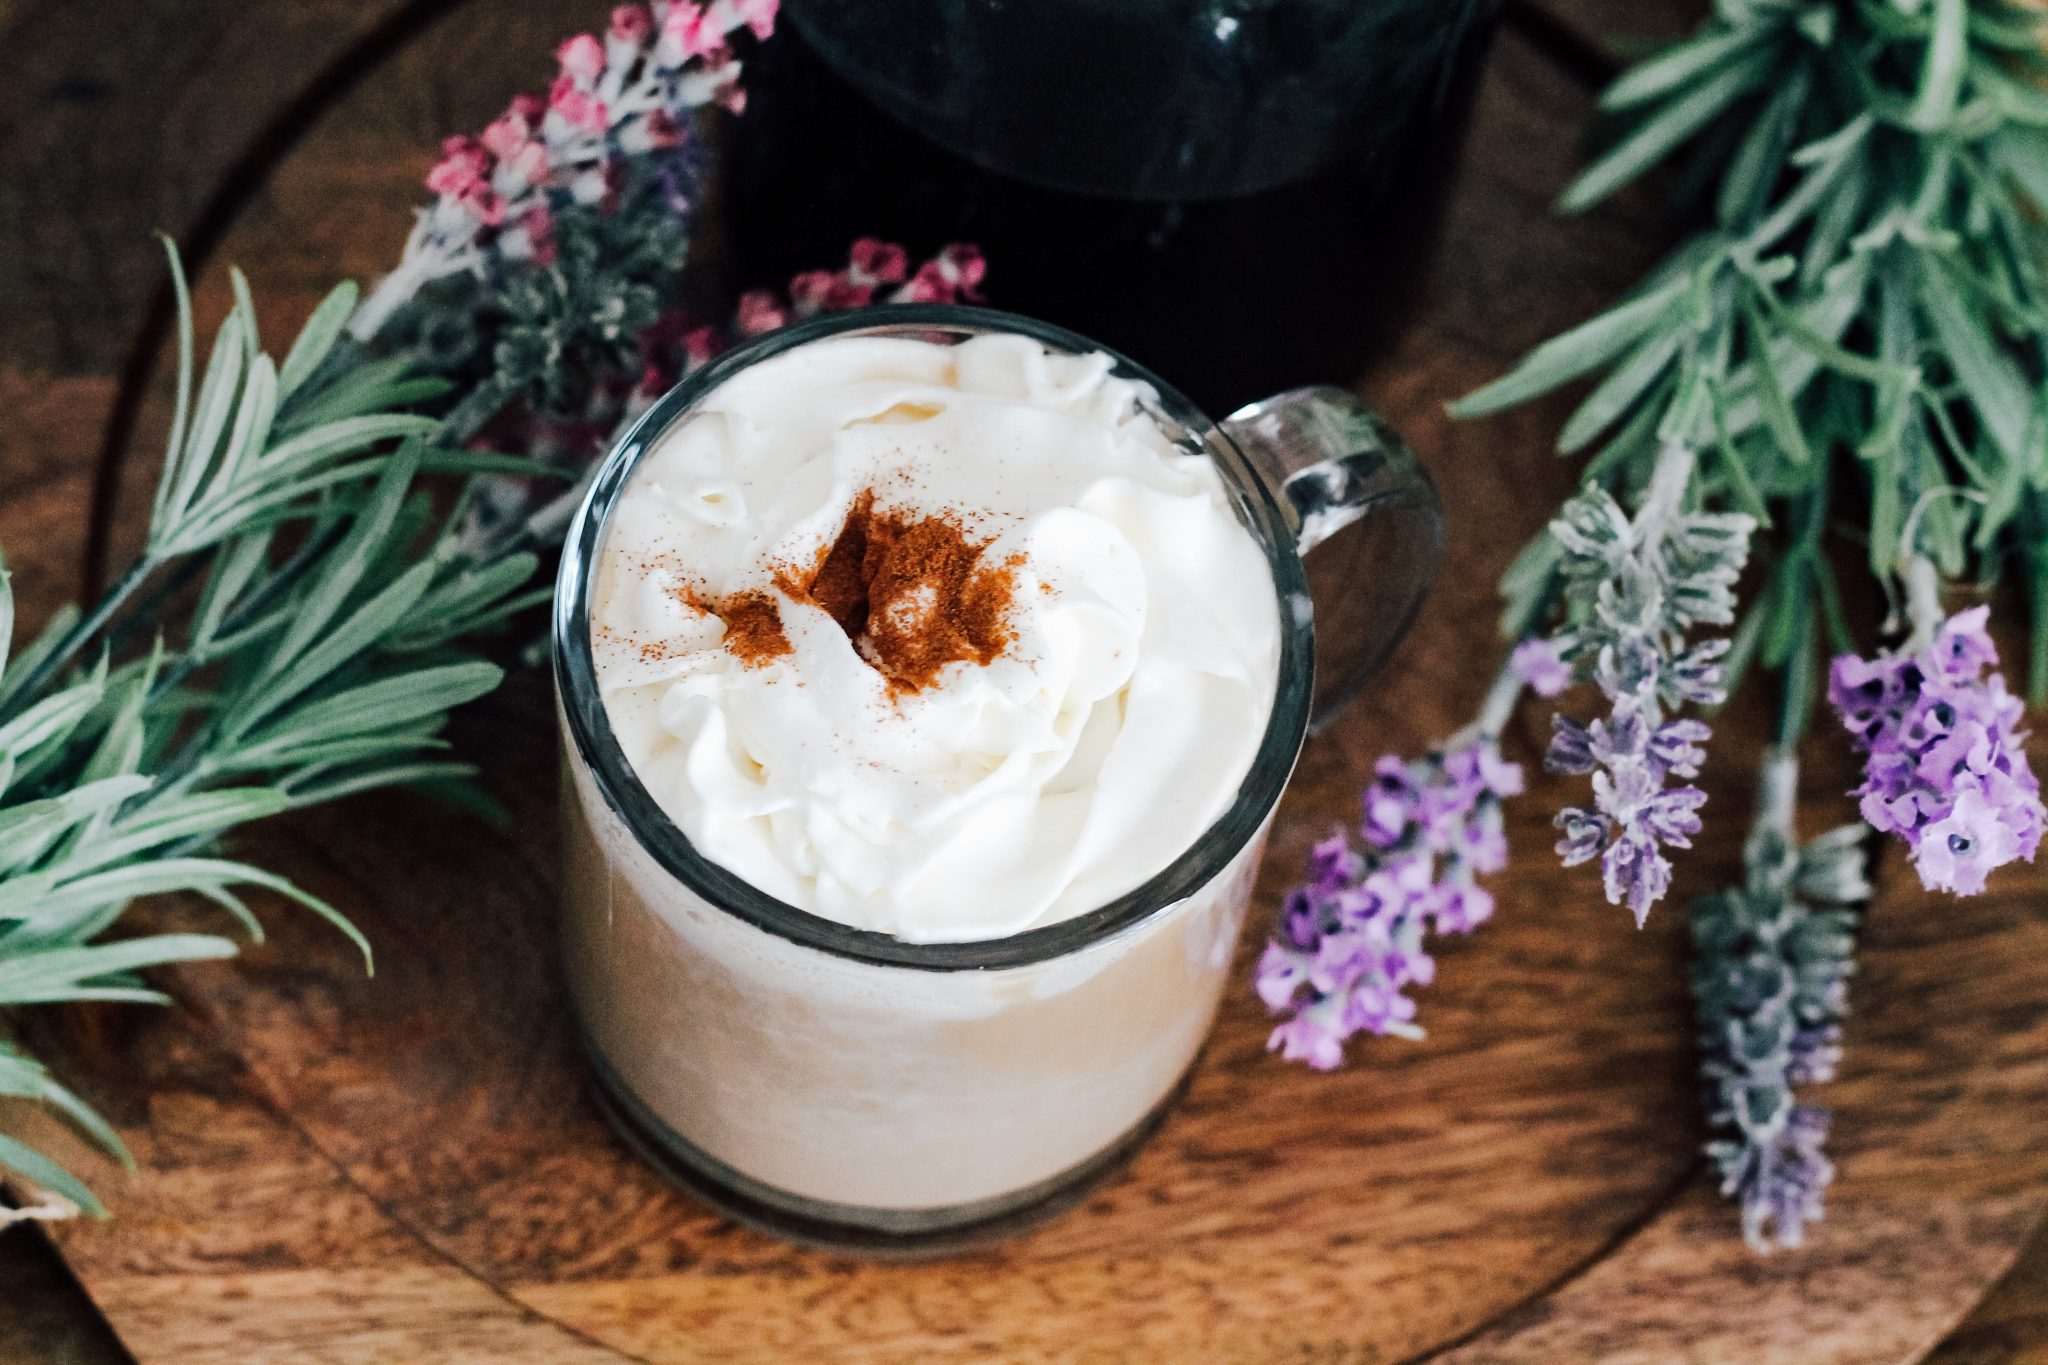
753, 627
912, 593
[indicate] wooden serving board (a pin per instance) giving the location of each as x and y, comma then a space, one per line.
408, 1168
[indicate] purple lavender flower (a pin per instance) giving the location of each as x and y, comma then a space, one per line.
1635, 873
1781, 1180
1816, 1052
1945, 763
1333, 863
1349, 942
1315, 1034
1962, 647
1390, 803
1571, 747
1695, 675
1634, 587
1540, 663
1675, 747
1586, 835
1770, 977
1636, 816
1956, 852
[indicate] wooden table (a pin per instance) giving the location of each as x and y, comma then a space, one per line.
336, 1169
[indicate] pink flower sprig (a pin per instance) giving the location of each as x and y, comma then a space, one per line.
619, 101
1945, 765
876, 272
953, 276
1349, 943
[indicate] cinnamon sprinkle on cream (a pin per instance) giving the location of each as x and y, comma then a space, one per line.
753, 624
912, 593
753, 627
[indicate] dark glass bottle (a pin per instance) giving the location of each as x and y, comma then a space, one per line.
1238, 193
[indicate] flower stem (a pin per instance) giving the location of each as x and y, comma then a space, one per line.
1800, 684
1923, 602
22, 688
470, 415
391, 293
1777, 788
1500, 702
1668, 482
1494, 711
2036, 560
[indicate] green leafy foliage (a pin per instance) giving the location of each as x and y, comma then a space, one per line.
550, 336
319, 656
1864, 291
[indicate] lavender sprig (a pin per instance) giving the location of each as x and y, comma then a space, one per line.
616, 121
1350, 942
1634, 587
1945, 764
1770, 982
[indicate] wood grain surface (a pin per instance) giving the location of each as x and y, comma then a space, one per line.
408, 1168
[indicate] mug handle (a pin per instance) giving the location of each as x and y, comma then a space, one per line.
1367, 524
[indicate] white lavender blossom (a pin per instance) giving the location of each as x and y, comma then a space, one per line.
1634, 588
1770, 982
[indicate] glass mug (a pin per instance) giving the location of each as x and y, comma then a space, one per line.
838, 1086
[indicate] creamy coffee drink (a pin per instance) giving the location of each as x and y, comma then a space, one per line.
943, 641
947, 642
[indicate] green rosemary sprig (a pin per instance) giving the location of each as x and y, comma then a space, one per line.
1865, 290
290, 634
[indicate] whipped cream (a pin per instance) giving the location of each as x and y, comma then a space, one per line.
1108, 722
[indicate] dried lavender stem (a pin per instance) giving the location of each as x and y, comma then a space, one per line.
1494, 711
1777, 790
1923, 602
390, 294
1668, 482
